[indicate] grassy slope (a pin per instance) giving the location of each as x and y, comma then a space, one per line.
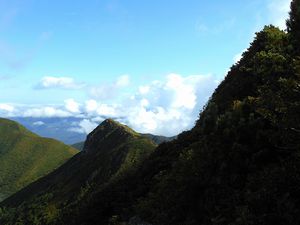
25, 157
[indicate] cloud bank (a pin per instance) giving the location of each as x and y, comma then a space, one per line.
164, 107
48, 82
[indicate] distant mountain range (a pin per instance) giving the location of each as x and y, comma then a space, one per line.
25, 156
61, 129
57, 128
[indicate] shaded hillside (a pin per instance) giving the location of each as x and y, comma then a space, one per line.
25, 157
239, 165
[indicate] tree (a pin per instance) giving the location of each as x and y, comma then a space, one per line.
293, 25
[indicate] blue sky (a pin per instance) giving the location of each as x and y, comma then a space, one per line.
156, 60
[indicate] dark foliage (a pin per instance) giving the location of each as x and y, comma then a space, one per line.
293, 25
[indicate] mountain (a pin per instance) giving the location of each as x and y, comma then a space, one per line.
239, 165
25, 157
62, 129
155, 138
110, 152
66, 130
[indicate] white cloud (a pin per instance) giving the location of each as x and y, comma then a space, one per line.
158, 120
91, 105
6, 107
85, 126
72, 106
170, 106
123, 81
164, 107
109, 91
59, 82
106, 110
38, 123
145, 102
95, 108
279, 11
46, 112
103, 92
144, 89
183, 90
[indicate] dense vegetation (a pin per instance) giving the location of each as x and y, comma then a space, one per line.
239, 165
25, 157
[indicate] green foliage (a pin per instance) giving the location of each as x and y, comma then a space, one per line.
293, 25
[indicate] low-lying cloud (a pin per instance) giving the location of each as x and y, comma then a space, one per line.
50, 82
164, 107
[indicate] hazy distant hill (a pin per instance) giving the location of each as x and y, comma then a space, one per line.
57, 128
25, 157
60, 129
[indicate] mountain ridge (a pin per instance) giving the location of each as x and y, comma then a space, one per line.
118, 150
25, 157
157, 139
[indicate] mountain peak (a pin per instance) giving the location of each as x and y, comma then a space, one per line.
110, 122
109, 125
109, 131
115, 124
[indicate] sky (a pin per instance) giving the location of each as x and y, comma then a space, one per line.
149, 64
